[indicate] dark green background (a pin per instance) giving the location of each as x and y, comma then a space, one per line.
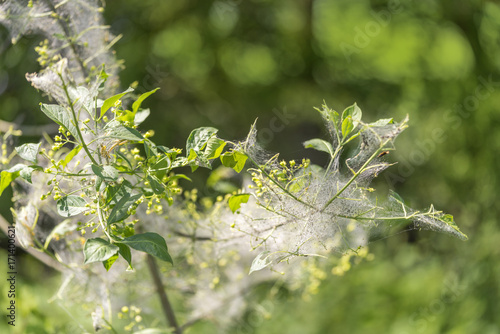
225, 63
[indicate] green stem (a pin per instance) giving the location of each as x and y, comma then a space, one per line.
355, 176
84, 145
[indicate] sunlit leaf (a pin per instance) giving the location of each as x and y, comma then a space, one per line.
138, 102
97, 250
61, 116
199, 138
28, 152
70, 155
108, 103
71, 205
235, 201
320, 145
234, 160
151, 243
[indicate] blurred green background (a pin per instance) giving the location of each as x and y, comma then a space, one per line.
225, 63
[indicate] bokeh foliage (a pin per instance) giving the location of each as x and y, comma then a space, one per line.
224, 63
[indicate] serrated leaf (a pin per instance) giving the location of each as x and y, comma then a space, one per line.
199, 137
214, 148
108, 103
28, 152
71, 205
235, 201
260, 262
70, 156
137, 104
107, 173
120, 210
97, 250
320, 145
109, 262
61, 116
151, 243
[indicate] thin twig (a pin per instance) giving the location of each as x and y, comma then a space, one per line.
167, 307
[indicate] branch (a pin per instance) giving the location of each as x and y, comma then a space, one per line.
167, 307
44, 258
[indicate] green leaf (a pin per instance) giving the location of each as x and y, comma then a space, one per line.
137, 104
125, 253
71, 205
320, 145
448, 220
199, 138
61, 116
26, 172
115, 193
7, 176
124, 158
107, 173
140, 116
382, 122
156, 185
235, 201
151, 243
71, 155
108, 103
150, 149
260, 262
179, 176
234, 160
123, 132
120, 210
354, 112
97, 250
98, 183
103, 75
329, 115
347, 126
28, 152
192, 155
162, 166
214, 148
109, 262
